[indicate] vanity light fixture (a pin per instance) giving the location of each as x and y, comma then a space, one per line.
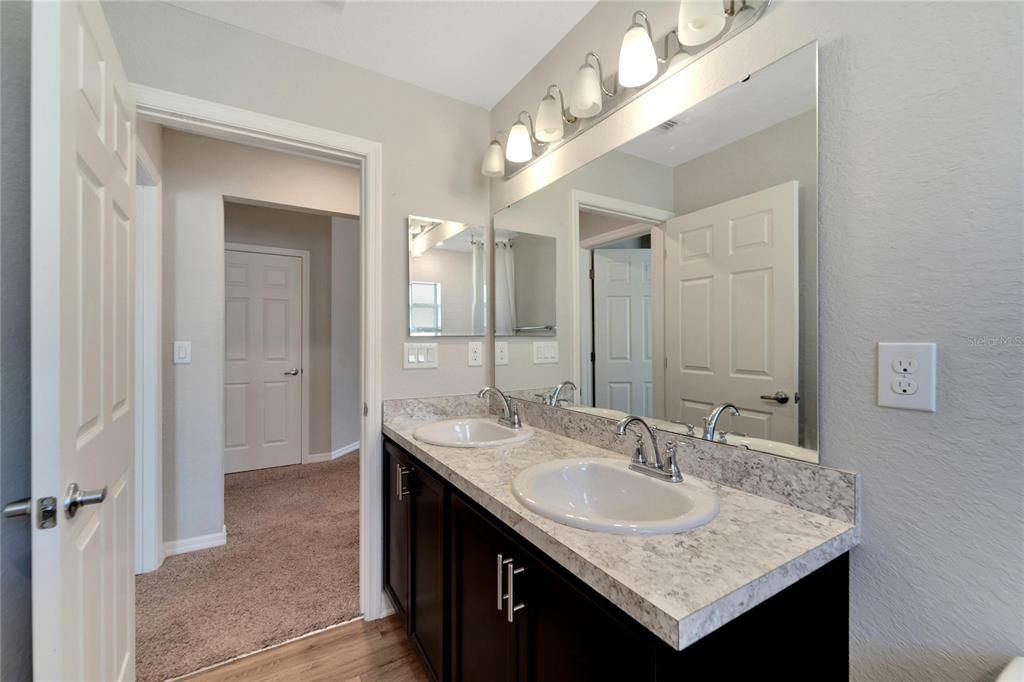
551, 116
520, 140
588, 89
494, 159
638, 62
702, 26
701, 21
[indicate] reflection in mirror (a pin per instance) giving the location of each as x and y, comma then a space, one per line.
447, 275
524, 284
696, 248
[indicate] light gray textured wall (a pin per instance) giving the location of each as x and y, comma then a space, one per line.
432, 144
15, 544
786, 151
264, 226
921, 238
346, 333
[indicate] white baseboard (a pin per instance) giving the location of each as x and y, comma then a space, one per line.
184, 545
327, 456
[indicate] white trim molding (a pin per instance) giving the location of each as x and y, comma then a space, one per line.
256, 129
328, 456
149, 517
194, 544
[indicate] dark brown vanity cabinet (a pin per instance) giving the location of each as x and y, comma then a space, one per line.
481, 603
415, 547
515, 618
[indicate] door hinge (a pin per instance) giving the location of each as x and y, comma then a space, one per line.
666, 362
366, 410
593, 356
591, 273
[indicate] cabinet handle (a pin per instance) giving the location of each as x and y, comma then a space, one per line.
400, 473
512, 605
502, 562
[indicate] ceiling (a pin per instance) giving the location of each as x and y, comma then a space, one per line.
472, 51
772, 95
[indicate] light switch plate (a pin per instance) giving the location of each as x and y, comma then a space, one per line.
182, 352
476, 353
907, 376
501, 352
545, 352
419, 356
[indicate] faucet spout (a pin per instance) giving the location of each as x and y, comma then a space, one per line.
556, 395
625, 422
509, 415
711, 423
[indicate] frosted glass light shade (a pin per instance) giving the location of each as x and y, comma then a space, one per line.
638, 63
549, 120
700, 21
494, 160
519, 148
586, 93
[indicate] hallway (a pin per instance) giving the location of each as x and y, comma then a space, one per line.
290, 566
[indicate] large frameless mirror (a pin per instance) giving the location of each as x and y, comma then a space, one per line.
695, 252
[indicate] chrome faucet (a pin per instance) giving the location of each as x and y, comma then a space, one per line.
556, 393
509, 416
711, 421
667, 470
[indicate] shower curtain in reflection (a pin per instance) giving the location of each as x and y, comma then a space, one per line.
479, 287
504, 289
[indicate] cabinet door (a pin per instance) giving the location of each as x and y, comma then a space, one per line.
396, 528
566, 634
427, 612
483, 642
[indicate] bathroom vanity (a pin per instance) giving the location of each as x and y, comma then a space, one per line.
490, 590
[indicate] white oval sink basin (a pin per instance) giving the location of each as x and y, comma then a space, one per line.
471, 433
605, 495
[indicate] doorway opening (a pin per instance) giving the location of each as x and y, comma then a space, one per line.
618, 287
262, 359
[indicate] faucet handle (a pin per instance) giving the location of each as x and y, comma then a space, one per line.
671, 466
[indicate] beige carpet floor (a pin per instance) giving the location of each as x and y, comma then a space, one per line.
290, 566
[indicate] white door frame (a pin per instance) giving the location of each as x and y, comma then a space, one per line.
149, 535
648, 218
304, 257
269, 132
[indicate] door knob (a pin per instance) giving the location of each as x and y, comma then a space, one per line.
779, 396
292, 372
75, 497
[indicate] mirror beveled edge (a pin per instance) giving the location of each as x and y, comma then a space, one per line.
810, 455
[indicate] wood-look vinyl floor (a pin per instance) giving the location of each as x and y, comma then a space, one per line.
374, 651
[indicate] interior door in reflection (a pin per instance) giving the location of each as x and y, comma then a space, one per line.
731, 312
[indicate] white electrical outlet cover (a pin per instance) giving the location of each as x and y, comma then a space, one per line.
907, 376
476, 353
501, 352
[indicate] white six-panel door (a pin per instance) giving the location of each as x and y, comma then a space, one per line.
83, 166
262, 360
731, 313
622, 331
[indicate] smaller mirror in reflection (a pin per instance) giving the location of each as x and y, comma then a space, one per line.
524, 284
447, 276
